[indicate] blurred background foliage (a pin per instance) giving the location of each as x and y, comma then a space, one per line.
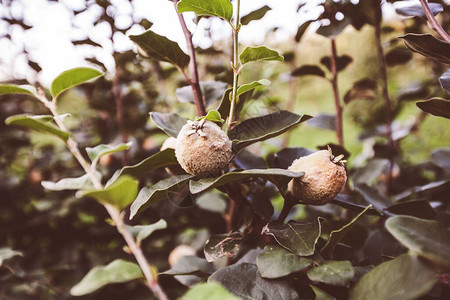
62, 237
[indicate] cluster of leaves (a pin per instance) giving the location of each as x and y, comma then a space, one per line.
366, 244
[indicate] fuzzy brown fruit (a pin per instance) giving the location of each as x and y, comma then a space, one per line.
323, 179
202, 148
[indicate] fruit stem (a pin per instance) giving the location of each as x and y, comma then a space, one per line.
288, 204
235, 66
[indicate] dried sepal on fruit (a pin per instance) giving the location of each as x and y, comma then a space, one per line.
324, 178
203, 148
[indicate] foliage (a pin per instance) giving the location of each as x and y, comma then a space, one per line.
238, 234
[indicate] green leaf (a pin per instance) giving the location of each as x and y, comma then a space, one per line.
7, 253
441, 157
218, 8
220, 245
41, 123
275, 262
98, 151
444, 80
213, 116
209, 291
170, 123
373, 196
324, 121
416, 208
333, 30
337, 235
301, 30
120, 193
141, 232
158, 160
426, 238
261, 53
204, 184
244, 281
339, 273
405, 277
6, 89
161, 48
308, 70
191, 265
255, 15
158, 192
71, 78
362, 89
115, 272
397, 56
225, 103
263, 128
79, 183
341, 62
436, 106
211, 90
297, 237
250, 86
428, 45
416, 10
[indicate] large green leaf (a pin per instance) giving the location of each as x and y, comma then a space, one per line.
436, 106
428, 45
261, 53
209, 291
416, 208
263, 128
301, 30
98, 151
161, 159
157, 192
161, 48
6, 89
220, 245
170, 123
41, 123
339, 273
426, 238
373, 196
441, 157
141, 232
7, 253
275, 262
405, 277
115, 272
219, 8
244, 281
120, 193
71, 78
204, 184
337, 235
255, 15
191, 265
298, 237
250, 86
79, 183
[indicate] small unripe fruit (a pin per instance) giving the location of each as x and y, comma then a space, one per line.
203, 148
324, 178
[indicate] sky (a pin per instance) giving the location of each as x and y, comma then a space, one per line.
49, 40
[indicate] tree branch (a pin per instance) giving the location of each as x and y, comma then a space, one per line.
434, 24
193, 69
337, 102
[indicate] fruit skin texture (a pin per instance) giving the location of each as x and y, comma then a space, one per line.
202, 149
322, 181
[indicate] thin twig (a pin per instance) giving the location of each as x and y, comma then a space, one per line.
235, 65
113, 211
388, 107
118, 97
193, 69
434, 24
337, 102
